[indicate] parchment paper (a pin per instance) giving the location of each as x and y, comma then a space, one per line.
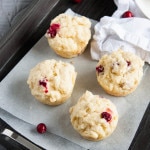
15, 97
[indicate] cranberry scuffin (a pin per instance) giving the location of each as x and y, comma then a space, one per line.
127, 14
107, 116
41, 128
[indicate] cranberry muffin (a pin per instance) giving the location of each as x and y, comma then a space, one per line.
119, 73
94, 117
51, 82
69, 35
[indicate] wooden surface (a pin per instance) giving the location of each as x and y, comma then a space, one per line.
32, 27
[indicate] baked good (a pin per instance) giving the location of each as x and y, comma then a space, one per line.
119, 73
69, 35
52, 82
94, 117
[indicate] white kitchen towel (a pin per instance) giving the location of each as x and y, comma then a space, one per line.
130, 34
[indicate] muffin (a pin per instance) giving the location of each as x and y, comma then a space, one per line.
94, 117
69, 35
119, 73
51, 82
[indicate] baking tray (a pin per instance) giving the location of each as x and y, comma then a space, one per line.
81, 9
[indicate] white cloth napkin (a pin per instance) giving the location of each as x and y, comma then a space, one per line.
129, 34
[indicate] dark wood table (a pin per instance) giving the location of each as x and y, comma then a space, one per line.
33, 25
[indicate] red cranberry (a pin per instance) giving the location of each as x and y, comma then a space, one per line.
44, 84
107, 116
127, 14
53, 29
41, 128
128, 63
100, 69
77, 1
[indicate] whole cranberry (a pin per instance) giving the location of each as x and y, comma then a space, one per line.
77, 1
44, 84
107, 116
100, 69
53, 29
41, 128
127, 14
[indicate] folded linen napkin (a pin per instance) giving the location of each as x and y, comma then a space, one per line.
129, 34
